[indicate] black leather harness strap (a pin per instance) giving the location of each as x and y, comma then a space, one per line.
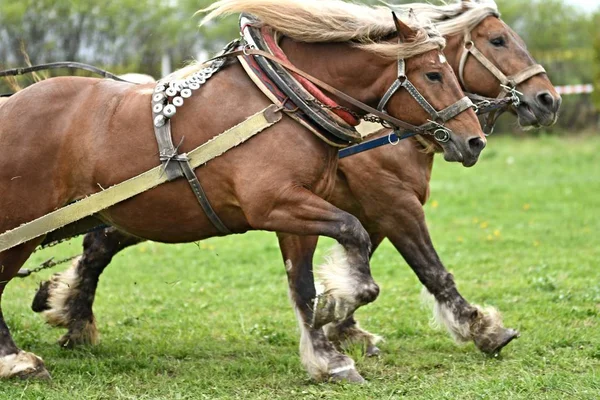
192, 179
167, 96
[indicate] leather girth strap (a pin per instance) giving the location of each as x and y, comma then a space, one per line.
177, 165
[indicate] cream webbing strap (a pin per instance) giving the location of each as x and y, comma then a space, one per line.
138, 184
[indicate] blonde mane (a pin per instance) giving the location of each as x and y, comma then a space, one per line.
455, 18
334, 21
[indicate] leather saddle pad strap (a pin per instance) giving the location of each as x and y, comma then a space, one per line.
330, 124
309, 86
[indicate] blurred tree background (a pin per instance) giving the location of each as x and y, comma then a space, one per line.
148, 36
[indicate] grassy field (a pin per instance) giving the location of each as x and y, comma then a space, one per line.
213, 320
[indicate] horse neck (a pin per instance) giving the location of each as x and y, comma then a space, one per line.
408, 163
355, 72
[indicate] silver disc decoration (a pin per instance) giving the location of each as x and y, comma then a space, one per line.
168, 96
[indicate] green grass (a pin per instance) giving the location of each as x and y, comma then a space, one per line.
213, 320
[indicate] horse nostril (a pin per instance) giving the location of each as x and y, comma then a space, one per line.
546, 99
476, 145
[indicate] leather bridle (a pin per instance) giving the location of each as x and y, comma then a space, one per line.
438, 118
508, 84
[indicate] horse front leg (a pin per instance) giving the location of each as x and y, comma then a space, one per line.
300, 212
348, 332
66, 299
317, 354
408, 232
346, 277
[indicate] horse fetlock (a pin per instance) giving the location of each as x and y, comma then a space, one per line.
23, 365
53, 297
348, 333
81, 333
343, 288
40, 300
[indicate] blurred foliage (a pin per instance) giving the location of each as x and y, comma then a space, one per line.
134, 35
596, 63
118, 33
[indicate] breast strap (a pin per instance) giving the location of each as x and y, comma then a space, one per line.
177, 165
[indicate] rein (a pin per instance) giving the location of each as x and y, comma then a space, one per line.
60, 65
483, 105
441, 133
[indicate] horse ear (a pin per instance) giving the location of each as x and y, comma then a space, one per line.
405, 32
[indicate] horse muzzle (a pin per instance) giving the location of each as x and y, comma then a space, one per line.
463, 151
538, 110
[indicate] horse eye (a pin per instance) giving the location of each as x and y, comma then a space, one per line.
498, 42
434, 76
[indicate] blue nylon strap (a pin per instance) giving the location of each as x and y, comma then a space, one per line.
392, 138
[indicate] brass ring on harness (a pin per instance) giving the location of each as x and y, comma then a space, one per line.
469, 45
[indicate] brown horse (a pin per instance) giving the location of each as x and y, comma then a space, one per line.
407, 169
66, 138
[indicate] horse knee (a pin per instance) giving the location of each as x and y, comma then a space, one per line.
353, 234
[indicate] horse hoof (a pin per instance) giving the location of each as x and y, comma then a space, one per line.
347, 376
493, 343
40, 374
372, 351
23, 365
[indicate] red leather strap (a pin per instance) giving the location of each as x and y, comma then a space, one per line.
309, 86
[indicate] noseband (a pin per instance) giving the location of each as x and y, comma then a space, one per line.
438, 118
508, 84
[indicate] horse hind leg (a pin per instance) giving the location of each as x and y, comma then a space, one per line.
66, 300
16, 363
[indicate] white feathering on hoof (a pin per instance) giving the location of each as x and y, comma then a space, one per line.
444, 317
487, 323
62, 286
315, 362
22, 361
335, 275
